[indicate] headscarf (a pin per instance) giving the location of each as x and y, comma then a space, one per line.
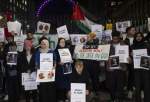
47, 46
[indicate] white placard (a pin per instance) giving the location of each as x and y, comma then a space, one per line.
12, 58
137, 57
122, 26
63, 32
2, 35
14, 27
45, 76
46, 61
65, 55
123, 52
98, 29
43, 27
19, 42
77, 39
29, 81
78, 92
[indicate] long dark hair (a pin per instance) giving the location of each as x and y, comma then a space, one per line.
58, 46
31, 51
135, 36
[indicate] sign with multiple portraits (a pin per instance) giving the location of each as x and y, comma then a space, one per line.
43, 27
45, 76
77, 39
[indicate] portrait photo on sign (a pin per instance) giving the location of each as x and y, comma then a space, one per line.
12, 58
67, 69
114, 61
145, 62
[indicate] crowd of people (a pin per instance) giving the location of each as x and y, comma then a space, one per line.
116, 82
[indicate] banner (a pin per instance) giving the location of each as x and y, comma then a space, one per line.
2, 35
43, 27
63, 32
123, 53
101, 52
122, 26
137, 57
46, 61
45, 75
78, 92
65, 55
14, 27
78, 39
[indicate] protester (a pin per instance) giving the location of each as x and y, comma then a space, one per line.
12, 77
116, 78
47, 91
62, 76
81, 75
141, 80
27, 65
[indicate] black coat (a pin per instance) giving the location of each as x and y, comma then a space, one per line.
81, 78
24, 65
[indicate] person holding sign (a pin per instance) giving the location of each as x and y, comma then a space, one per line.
47, 90
81, 75
11, 65
129, 41
27, 65
116, 72
93, 65
63, 71
141, 75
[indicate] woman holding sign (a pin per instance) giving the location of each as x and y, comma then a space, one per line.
47, 90
27, 65
141, 74
63, 70
12, 76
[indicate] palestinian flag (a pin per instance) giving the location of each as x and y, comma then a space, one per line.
79, 18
